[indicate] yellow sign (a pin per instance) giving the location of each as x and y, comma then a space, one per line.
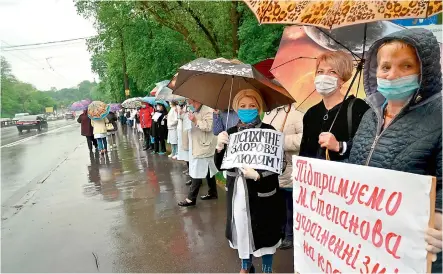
127, 92
49, 109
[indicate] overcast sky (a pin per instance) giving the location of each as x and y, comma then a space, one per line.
36, 21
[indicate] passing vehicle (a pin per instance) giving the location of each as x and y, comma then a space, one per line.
69, 116
52, 118
29, 122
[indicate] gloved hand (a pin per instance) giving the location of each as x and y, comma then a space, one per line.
250, 173
222, 140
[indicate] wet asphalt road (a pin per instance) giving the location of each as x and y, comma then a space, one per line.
64, 210
10, 134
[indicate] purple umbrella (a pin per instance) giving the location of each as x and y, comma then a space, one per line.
78, 106
85, 102
115, 107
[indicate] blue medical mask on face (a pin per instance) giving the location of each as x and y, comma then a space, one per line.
247, 115
191, 108
398, 89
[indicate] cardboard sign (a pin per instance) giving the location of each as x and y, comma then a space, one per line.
260, 149
359, 219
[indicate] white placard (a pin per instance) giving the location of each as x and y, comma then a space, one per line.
359, 219
260, 149
156, 116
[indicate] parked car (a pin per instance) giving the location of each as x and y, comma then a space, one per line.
52, 118
69, 116
31, 122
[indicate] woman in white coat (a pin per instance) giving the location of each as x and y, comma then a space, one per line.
289, 121
172, 130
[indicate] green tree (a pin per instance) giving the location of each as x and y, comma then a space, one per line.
140, 43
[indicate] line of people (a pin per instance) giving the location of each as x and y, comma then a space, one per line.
397, 127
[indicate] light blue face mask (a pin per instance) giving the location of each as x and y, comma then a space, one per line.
247, 115
191, 108
398, 89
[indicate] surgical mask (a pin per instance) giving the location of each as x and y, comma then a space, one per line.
398, 89
325, 84
247, 115
191, 108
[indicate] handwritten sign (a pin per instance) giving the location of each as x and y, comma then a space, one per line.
359, 219
258, 148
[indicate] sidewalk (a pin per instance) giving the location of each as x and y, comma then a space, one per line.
119, 214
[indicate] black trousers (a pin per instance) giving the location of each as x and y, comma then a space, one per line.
159, 145
196, 183
91, 141
147, 137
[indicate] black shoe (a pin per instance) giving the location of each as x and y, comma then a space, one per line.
208, 197
188, 183
286, 244
186, 203
145, 148
252, 269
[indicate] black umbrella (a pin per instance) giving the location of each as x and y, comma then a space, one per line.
214, 83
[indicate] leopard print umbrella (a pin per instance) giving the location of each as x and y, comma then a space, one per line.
336, 14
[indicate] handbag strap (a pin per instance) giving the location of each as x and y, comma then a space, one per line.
286, 117
349, 116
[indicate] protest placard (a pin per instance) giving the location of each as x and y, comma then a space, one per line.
260, 149
359, 219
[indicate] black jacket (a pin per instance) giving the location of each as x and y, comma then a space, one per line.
267, 210
159, 129
412, 142
318, 119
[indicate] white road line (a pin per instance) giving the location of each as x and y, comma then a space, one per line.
35, 136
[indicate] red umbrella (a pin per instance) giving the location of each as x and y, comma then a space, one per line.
264, 67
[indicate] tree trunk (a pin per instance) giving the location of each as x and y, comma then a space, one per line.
125, 73
203, 28
235, 23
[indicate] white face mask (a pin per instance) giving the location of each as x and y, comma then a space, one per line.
325, 84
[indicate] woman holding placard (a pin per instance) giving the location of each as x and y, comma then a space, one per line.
403, 129
255, 207
324, 135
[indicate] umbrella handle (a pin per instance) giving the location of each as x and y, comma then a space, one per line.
229, 105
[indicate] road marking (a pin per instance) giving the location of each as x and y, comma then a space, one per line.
35, 136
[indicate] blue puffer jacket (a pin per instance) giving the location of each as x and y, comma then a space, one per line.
412, 142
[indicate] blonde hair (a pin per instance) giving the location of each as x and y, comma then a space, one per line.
251, 94
340, 61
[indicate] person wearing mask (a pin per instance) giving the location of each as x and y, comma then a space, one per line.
201, 152
112, 129
87, 130
172, 130
122, 117
255, 207
129, 119
221, 118
183, 138
319, 140
138, 126
146, 123
403, 128
289, 121
160, 129
100, 133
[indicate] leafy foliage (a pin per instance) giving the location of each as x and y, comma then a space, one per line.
145, 42
19, 97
